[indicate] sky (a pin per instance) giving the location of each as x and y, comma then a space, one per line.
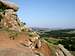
47, 13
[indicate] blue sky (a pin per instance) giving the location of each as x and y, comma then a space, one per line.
47, 13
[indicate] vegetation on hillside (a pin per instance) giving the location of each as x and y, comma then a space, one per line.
64, 37
58, 33
69, 43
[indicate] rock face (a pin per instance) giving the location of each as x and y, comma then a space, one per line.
62, 51
8, 5
9, 18
23, 44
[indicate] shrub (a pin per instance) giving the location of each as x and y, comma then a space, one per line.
2, 9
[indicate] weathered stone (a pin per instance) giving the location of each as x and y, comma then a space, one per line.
9, 20
10, 11
9, 5
65, 51
59, 53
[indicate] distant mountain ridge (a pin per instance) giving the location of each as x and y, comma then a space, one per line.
65, 29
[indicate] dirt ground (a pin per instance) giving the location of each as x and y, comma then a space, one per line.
10, 47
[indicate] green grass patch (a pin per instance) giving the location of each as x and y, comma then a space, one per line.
52, 41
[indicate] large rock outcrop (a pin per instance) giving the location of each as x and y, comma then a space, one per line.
16, 39
8, 16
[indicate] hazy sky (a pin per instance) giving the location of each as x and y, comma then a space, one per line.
47, 13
